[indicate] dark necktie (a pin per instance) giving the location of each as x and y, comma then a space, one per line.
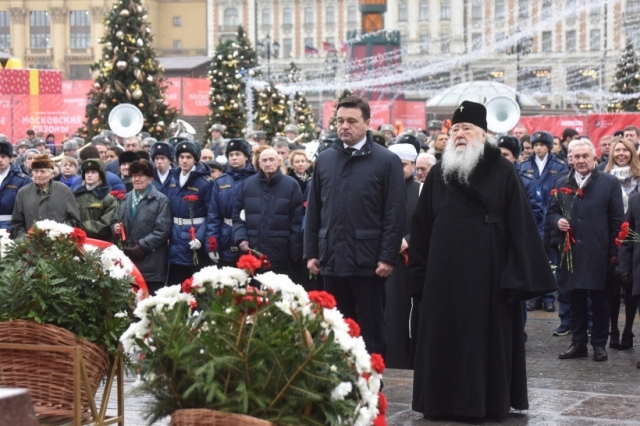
351, 150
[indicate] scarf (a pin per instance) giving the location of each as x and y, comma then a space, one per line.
628, 181
136, 198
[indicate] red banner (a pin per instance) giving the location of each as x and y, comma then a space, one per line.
555, 124
61, 115
173, 94
380, 113
601, 125
412, 114
195, 96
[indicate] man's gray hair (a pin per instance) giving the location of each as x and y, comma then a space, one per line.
134, 137
582, 142
281, 144
430, 158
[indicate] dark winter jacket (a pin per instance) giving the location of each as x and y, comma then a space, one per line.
97, 208
356, 210
199, 183
273, 217
150, 228
224, 195
15, 180
114, 182
629, 252
69, 182
595, 221
168, 185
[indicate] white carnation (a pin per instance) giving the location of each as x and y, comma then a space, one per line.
340, 391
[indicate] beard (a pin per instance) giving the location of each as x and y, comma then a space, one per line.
459, 163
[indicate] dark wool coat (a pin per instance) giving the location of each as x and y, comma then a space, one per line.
150, 227
398, 302
15, 180
273, 217
474, 254
356, 210
595, 222
58, 204
629, 252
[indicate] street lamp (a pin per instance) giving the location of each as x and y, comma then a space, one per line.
266, 47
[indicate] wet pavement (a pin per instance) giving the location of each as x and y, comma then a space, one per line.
578, 392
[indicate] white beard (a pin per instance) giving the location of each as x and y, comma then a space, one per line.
459, 163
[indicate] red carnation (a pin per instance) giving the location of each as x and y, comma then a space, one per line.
193, 303
213, 244
186, 285
567, 191
554, 192
380, 420
249, 262
79, 235
322, 298
118, 193
377, 363
382, 403
264, 261
625, 225
192, 233
579, 192
190, 198
354, 328
618, 242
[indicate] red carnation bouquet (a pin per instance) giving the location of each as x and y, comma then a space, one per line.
118, 194
627, 235
566, 198
252, 261
192, 231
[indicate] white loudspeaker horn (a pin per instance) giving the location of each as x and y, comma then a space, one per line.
186, 127
126, 120
503, 113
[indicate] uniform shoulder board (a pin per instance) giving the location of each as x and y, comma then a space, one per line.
193, 188
22, 175
553, 172
529, 170
208, 178
559, 160
224, 186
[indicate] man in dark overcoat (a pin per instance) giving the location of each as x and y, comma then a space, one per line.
475, 254
587, 211
355, 219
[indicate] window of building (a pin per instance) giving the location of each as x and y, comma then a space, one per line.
402, 12
570, 7
352, 14
39, 26
633, 7
523, 8
424, 43
476, 10
266, 16
424, 10
445, 43
499, 10
594, 40
547, 41
547, 8
231, 17
445, 10
594, 7
5, 31
287, 16
177, 21
79, 72
476, 41
287, 48
538, 78
177, 45
489, 75
571, 41
579, 78
308, 15
80, 29
438, 81
330, 17
308, 41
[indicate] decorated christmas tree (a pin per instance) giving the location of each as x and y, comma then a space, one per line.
627, 82
332, 121
128, 73
271, 112
226, 97
247, 56
302, 114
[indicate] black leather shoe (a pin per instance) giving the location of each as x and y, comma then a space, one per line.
576, 350
599, 353
614, 340
626, 342
533, 306
549, 307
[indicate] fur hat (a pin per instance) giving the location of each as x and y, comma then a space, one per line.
511, 143
471, 112
149, 141
42, 161
291, 128
162, 148
378, 137
23, 142
238, 145
259, 134
406, 151
142, 166
325, 144
38, 142
435, 125
70, 145
128, 157
410, 139
542, 137
213, 164
218, 127
278, 139
94, 164
192, 148
388, 128
6, 149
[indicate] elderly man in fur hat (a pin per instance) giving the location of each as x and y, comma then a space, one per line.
475, 254
43, 199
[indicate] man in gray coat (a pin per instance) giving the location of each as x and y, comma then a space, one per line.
146, 218
43, 199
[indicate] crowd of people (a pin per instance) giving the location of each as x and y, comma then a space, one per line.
437, 242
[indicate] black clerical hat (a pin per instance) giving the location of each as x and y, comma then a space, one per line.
471, 112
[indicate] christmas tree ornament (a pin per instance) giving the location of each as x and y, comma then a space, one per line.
96, 85
102, 106
121, 65
139, 8
135, 60
141, 106
120, 35
139, 42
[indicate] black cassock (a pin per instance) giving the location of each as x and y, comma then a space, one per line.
475, 254
398, 299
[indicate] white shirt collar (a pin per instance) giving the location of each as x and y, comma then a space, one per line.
163, 177
4, 175
357, 146
183, 177
541, 163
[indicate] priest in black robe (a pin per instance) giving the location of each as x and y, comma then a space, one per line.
475, 254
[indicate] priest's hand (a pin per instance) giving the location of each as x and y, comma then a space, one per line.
563, 225
384, 269
313, 265
404, 245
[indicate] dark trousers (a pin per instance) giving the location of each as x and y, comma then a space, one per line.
179, 273
362, 299
154, 286
579, 316
630, 307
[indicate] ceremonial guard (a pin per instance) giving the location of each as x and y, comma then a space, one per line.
12, 178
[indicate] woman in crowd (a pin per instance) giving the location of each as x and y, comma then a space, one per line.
68, 171
113, 153
29, 156
300, 170
624, 164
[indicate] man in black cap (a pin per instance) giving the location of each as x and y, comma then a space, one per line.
475, 254
12, 178
162, 156
435, 128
